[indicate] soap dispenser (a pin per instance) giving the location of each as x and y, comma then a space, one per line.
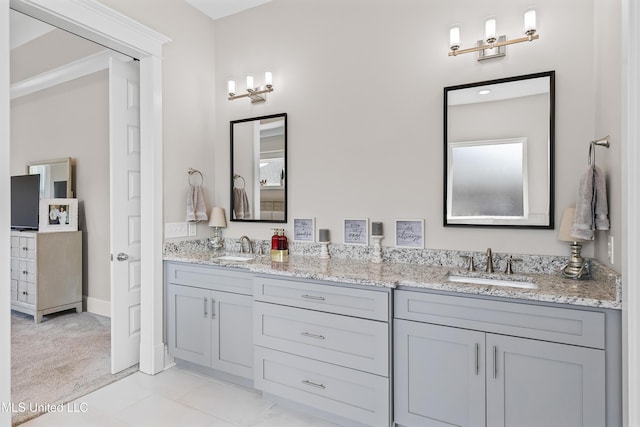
281, 251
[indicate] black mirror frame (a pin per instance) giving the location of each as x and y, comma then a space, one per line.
286, 168
551, 75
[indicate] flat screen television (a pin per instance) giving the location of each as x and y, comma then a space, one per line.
25, 202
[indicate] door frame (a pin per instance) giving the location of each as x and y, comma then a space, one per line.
96, 22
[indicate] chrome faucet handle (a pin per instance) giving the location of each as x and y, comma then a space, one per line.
471, 266
489, 268
510, 260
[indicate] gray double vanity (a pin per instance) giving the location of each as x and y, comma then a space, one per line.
414, 336
399, 343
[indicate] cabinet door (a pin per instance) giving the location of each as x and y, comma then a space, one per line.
189, 324
439, 375
232, 342
537, 383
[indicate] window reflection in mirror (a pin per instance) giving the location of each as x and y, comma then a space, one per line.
259, 169
488, 179
498, 152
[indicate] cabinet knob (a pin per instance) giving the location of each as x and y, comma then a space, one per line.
122, 256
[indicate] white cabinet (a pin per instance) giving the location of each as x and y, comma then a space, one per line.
468, 375
46, 272
324, 346
209, 318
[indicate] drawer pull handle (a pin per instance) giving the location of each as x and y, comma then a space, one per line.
312, 384
495, 362
310, 335
313, 297
477, 358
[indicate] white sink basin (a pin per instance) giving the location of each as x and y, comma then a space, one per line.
238, 258
493, 282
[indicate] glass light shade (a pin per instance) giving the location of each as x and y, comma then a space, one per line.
490, 29
231, 86
268, 78
454, 37
218, 218
530, 22
249, 82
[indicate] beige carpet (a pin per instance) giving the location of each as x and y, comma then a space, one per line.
63, 358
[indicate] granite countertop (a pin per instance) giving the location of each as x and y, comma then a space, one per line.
603, 291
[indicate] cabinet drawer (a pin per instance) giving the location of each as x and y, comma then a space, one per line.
341, 391
219, 279
569, 326
347, 341
368, 304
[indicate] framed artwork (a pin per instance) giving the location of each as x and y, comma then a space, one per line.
304, 229
58, 215
410, 233
356, 231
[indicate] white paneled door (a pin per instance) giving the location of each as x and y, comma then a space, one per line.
124, 127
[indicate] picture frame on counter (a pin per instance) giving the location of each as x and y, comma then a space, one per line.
409, 233
58, 215
304, 229
356, 231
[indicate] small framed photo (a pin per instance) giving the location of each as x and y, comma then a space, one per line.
410, 233
304, 229
356, 231
58, 215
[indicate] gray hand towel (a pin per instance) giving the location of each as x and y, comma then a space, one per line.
592, 211
196, 209
240, 204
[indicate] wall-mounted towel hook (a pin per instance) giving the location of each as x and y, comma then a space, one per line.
601, 142
191, 172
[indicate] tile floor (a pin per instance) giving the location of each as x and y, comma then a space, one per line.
174, 398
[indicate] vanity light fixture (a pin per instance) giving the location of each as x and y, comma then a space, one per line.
255, 93
493, 46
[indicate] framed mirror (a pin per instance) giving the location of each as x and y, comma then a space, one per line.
259, 169
499, 152
56, 180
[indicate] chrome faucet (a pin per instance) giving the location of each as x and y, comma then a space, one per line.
248, 240
489, 268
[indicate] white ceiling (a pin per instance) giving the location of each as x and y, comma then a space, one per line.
219, 8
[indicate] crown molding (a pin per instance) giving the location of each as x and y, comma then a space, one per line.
95, 21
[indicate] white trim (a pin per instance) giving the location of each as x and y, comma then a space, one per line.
152, 308
631, 210
5, 171
65, 73
98, 306
94, 21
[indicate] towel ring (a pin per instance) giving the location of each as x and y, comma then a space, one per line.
236, 177
602, 142
191, 172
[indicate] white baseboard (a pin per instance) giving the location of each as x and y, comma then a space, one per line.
98, 306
